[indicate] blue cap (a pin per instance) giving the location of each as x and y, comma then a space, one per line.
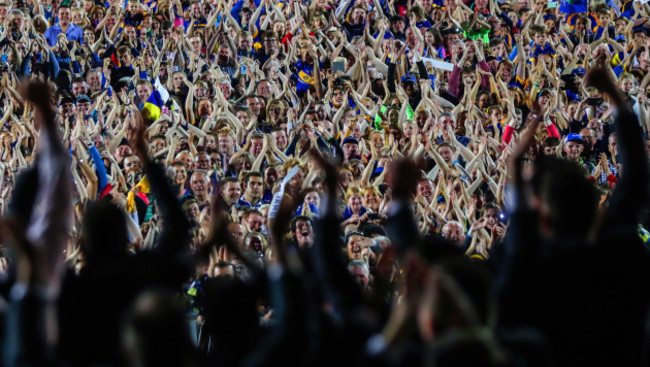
409, 78
579, 71
350, 140
620, 38
573, 137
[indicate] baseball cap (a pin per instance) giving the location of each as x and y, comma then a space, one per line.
67, 99
350, 140
83, 98
409, 78
573, 137
579, 71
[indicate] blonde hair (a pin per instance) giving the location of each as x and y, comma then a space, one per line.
353, 190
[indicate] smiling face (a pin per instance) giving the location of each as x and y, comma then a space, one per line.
573, 150
304, 233
354, 247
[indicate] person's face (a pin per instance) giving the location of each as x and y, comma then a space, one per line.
94, 81
492, 217
89, 36
313, 198
360, 276
354, 247
236, 232
280, 139
279, 28
204, 108
573, 150
345, 177
181, 175
68, 109
121, 151
304, 233
130, 32
143, 91
132, 164
270, 176
627, 85
338, 96
255, 222
64, 16
409, 88
195, 9
203, 161
612, 146
358, 15
398, 26
270, 45
579, 25
320, 22
88, 5
178, 79
483, 100
264, 89
604, 20
159, 144
425, 188
254, 105
254, 243
16, 22
506, 72
193, 213
587, 138
446, 153
371, 199
355, 202
255, 187
196, 44
3, 12
377, 141
550, 151
125, 59
499, 50
496, 115
246, 43
79, 88
199, 184
256, 146
275, 112
223, 55
447, 122
453, 233
83, 107
225, 143
469, 79
231, 192
350, 150
540, 5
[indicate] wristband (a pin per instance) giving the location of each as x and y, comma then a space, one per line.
548, 123
536, 85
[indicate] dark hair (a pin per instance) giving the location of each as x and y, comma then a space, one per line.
571, 198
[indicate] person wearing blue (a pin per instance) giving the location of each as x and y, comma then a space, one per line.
71, 31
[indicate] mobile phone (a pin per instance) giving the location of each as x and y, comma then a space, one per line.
594, 101
242, 69
338, 66
552, 4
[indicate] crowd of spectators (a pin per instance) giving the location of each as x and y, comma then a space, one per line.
323, 182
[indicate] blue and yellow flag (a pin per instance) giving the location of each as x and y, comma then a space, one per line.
152, 109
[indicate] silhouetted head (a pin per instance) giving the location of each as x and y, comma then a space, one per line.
104, 234
156, 332
568, 201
